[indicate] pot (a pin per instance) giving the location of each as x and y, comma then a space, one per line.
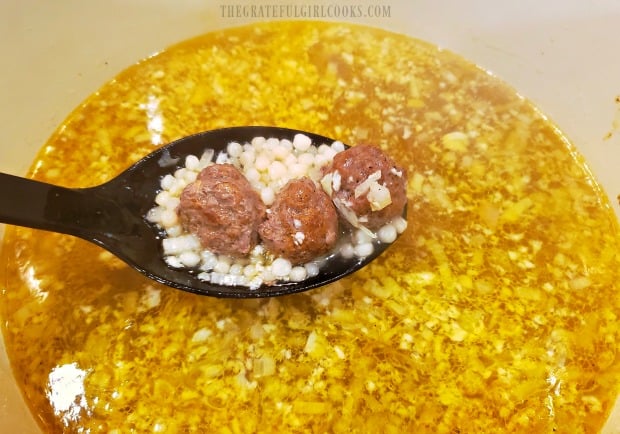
562, 55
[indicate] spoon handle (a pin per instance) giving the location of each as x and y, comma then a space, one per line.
38, 205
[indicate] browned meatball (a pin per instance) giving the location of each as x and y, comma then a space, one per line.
302, 223
354, 167
223, 210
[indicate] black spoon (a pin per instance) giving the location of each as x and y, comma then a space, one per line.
112, 215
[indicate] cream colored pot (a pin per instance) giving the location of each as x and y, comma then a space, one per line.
561, 54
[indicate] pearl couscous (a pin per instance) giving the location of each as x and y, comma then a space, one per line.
268, 164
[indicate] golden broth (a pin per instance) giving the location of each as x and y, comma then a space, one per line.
496, 311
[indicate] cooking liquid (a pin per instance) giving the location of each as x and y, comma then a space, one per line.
496, 311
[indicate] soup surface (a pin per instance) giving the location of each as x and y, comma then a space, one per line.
496, 311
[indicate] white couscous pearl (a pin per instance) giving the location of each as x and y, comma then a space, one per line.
306, 158
169, 217
258, 142
174, 231
170, 202
301, 142
330, 153
277, 170
290, 160
234, 149
281, 267
190, 176
178, 187
321, 160
173, 261
258, 250
177, 245
162, 197
280, 152
297, 170
287, 144
208, 265
363, 250
167, 182
249, 270
267, 195
247, 158
400, 224
361, 237
347, 251
338, 146
312, 269
192, 162
262, 162
189, 259
236, 269
322, 149
206, 158
252, 175
221, 158
222, 267
298, 274
272, 142
208, 262
267, 275
154, 214
387, 233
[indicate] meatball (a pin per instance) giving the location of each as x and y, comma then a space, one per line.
365, 181
302, 223
223, 210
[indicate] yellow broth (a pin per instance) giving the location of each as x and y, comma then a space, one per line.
496, 311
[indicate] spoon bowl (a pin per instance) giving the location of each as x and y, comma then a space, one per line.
112, 215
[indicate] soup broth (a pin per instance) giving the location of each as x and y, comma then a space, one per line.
496, 310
